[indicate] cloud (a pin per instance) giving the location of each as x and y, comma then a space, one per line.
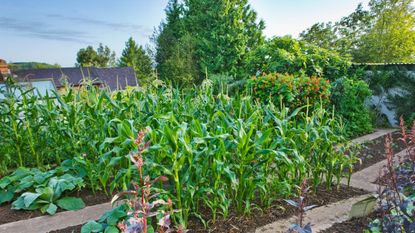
35, 29
126, 27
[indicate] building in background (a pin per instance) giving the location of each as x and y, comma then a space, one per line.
4, 69
59, 78
49, 80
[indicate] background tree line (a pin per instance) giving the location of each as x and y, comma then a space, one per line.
224, 39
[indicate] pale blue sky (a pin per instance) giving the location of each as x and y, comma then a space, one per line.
54, 30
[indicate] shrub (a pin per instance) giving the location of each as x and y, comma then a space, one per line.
292, 91
285, 54
348, 98
403, 101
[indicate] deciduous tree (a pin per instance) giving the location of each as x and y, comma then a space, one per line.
102, 57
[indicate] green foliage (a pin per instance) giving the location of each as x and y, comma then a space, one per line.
287, 55
101, 57
391, 37
31, 65
48, 188
291, 91
108, 221
136, 57
91, 226
384, 33
225, 32
403, 100
396, 85
348, 98
203, 37
175, 48
321, 34
342, 36
180, 65
218, 152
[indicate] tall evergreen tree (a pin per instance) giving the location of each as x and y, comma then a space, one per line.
225, 32
136, 57
175, 48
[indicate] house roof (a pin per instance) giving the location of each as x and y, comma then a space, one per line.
114, 78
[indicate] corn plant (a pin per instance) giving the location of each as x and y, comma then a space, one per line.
220, 153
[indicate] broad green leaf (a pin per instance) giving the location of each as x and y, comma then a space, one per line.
111, 229
150, 229
4, 182
51, 209
20, 173
71, 203
18, 204
6, 196
46, 193
115, 161
91, 227
29, 198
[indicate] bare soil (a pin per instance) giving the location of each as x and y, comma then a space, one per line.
374, 151
278, 210
355, 225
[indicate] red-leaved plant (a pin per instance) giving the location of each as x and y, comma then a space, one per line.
302, 208
396, 197
143, 204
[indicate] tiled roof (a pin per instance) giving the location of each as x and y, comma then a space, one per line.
114, 78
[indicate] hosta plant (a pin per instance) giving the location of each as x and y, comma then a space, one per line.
27, 180
49, 197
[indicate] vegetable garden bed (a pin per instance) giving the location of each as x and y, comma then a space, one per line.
372, 152
353, 225
234, 223
278, 210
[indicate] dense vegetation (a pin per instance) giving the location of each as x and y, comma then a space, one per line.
243, 121
384, 33
218, 152
291, 91
31, 65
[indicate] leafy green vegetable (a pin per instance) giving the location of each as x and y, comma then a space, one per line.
70, 203
91, 227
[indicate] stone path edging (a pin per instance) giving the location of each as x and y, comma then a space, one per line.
369, 137
66, 219
365, 178
58, 221
320, 218
324, 217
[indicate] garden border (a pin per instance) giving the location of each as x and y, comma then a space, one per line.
324, 217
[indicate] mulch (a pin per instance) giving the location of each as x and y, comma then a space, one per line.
278, 210
374, 151
353, 225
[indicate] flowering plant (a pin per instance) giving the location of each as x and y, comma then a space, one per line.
292, 91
